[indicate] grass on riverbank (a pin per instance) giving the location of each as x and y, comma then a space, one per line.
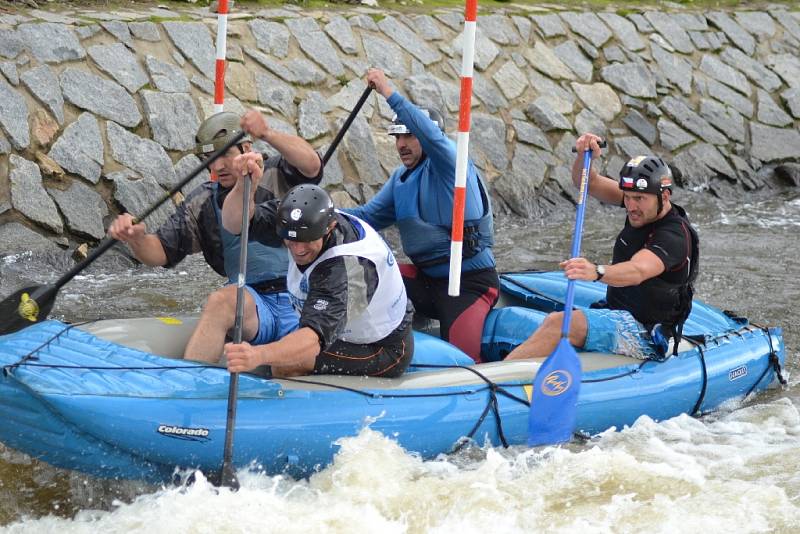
523, 6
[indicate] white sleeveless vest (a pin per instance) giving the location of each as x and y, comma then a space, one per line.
388, 305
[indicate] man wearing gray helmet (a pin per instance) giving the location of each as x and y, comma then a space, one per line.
355, 318
196, 227
650, 280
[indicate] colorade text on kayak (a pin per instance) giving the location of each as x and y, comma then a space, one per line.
180, 432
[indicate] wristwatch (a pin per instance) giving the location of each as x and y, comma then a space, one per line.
600, 270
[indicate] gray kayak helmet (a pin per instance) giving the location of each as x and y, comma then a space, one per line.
217, 130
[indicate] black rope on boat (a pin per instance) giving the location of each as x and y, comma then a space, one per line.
774, 364
9, 369
773, 358
498, 387
704, 389
468, 438
373, 395
622, 375
529, 289
116, 368
491, 405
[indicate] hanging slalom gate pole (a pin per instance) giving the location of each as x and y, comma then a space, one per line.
462, 150
219, 63
219, 72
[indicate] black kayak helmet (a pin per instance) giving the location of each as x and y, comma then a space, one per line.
398, 128
645, 174
305, 213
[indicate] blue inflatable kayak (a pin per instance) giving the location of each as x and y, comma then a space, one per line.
112, 399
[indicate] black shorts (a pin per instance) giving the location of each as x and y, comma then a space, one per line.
388, 357
461, 318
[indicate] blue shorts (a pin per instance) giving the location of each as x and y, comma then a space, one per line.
276, 316
616, 331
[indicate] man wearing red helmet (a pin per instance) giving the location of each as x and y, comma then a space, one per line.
650, 279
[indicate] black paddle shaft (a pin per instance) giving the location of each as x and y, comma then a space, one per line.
31, 304
227, 474
346, 125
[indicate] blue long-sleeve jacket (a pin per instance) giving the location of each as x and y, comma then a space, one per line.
420, 201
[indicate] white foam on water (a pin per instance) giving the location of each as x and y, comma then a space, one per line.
771, 213
733, 472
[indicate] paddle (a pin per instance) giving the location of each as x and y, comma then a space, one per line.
227, 475
554, 399
34, 303
346, 125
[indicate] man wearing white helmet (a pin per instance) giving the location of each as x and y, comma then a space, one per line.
196, 227
650, 280
418, 199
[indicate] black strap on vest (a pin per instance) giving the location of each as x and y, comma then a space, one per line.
686, 294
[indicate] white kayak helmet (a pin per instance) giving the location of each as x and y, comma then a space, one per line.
398, 128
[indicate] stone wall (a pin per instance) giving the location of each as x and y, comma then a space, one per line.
98, 109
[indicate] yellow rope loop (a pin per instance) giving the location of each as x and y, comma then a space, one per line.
28, 308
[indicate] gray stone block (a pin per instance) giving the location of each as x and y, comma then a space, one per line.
166, 77
50, 42
316, 44
773, 144
143, 156
14, 116
79, 150
631, 78
28, 195
172, 118
83, 209
738, 35
100, 96
769, 112
120, 30
194, 41
117, 61
271, 37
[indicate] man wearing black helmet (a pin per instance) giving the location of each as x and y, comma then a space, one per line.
418, 198
355, 318
655, 262
196, 227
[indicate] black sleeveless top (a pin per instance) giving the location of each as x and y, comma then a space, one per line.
666, 298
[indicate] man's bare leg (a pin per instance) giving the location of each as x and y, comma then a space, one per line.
217, 319
545, 339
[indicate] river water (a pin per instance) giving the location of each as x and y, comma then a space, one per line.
736, 470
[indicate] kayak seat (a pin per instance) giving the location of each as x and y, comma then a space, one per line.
505, 328
430, 350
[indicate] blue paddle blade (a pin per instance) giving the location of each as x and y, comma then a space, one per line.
554, 400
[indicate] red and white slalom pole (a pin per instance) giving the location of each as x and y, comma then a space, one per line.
222, 37
462, 150
219, 64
